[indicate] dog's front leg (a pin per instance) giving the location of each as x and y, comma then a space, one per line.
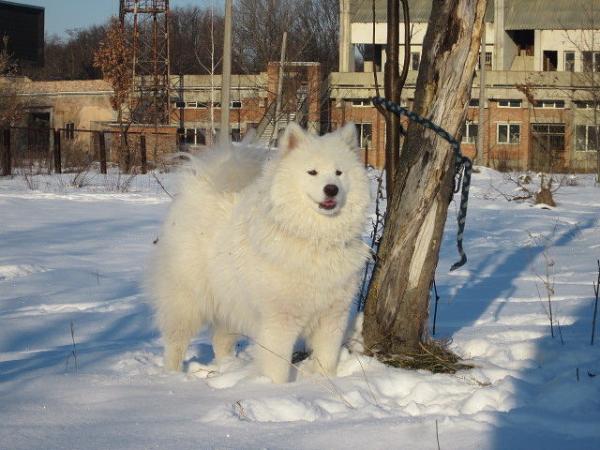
275, 344
326, 341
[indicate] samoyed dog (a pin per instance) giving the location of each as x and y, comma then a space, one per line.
264, 244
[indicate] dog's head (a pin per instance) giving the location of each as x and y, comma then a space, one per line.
320, 177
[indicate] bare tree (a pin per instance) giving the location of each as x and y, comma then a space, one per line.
311, 24
72, 57
397, 304
114, 58
11, 106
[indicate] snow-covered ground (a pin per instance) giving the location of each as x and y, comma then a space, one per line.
75, 257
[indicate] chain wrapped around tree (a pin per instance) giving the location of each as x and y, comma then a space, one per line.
421, 179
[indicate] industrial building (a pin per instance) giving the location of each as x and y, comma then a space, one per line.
542, 89
23, 26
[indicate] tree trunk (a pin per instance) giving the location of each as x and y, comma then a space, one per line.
397, 304
392, 90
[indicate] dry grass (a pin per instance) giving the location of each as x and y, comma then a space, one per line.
432, 355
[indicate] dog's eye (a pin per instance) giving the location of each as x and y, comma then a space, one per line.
338, 172
312, 172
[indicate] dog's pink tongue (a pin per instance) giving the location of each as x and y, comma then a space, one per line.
328, 204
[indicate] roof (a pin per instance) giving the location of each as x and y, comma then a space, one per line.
21, 5
552, 15
65, 87
419, 10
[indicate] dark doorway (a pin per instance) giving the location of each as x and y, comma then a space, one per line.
550, 60
548, 142
524, 40
38, 134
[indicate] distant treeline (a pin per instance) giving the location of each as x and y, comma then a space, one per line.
258, 26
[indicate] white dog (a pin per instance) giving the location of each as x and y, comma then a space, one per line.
265, 245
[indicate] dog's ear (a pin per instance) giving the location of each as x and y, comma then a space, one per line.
292, 138
348, 135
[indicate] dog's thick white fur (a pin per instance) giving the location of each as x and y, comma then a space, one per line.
260, 244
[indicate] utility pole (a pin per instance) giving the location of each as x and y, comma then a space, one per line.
226, 79
482, 154
279, 87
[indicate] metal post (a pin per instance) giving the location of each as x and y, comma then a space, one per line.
482, 153
143, 152
57, 152
6, 154
102, 144
279, 86
226, 79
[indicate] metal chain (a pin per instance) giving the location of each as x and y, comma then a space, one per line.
463, 168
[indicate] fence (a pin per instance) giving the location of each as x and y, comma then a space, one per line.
47, 150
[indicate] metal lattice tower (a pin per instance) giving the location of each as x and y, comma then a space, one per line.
147, 24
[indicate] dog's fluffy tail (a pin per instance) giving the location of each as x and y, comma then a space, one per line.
226, 168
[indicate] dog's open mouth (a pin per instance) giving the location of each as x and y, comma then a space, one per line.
328, 204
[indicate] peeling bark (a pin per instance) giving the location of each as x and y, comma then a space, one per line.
397, 304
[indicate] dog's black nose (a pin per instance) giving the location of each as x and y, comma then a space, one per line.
331, 190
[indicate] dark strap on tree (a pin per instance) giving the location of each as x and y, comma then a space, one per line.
462, 168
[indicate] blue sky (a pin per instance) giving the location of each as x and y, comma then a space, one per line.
62, 15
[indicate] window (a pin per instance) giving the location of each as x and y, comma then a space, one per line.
415, 60
191, 105
194, 136
365, 134
585, 104
360, 102
549, 136
508, 133
474, 103
591, 61
509, 103
488, 61
470, 132
236, 104
550, 60
586, 138
549, 104
179, 104
569, 61
69, 131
